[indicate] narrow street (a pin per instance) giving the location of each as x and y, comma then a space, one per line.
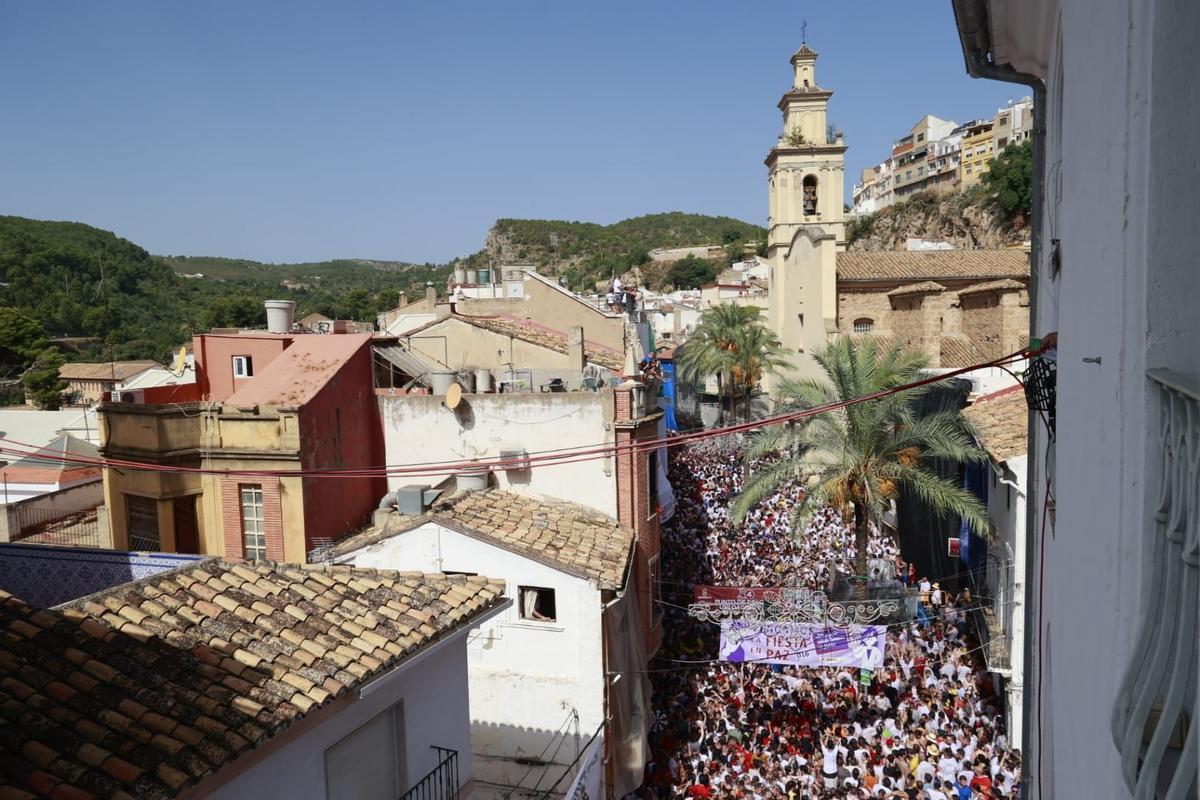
926, 726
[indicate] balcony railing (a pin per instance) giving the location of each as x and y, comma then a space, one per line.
442, 781
1158, 704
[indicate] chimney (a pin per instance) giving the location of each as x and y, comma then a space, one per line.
575, 354
279, 315
431, 294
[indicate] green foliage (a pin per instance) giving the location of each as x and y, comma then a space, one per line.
1009, 179
691, 273
733, 344
42, 385
235, 312
587, 253
858, 227
863, 454
78, 281
21, 339
795, 138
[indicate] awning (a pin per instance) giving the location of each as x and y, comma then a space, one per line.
407, 362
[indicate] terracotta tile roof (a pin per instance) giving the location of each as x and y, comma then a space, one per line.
566, 535
1002, 420
1002, 285
917, 288
529, 331
932, 265
958, 351
143, 690
118, 370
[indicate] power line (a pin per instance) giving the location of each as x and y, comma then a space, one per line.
538, 458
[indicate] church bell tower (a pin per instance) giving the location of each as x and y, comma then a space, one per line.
806, 222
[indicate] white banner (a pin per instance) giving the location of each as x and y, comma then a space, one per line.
802, 644
586, 785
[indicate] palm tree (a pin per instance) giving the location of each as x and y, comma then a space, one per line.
732, 343
862, 455
758, 351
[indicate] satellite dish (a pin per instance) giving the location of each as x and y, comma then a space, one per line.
453, 396
180, 362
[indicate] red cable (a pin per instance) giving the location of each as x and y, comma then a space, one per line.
542, 458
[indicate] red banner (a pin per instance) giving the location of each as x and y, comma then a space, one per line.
712, 594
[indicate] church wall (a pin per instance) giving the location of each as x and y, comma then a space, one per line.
872, 304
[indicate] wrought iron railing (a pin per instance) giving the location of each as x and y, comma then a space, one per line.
1158, 705
442, 781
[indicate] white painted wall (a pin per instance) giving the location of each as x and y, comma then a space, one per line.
1007, 505
435, 703
404, 323
65, 496
49, 502
1120, 199
526, 677
419, 428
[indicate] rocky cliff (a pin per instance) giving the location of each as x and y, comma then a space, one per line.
964, 220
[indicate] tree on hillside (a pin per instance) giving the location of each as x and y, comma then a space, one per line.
863, 454
691, 273
1009, 179
235, 312
42, 385
21, 340
732, 344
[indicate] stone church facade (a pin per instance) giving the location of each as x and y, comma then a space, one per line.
959, 306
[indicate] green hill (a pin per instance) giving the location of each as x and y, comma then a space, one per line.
586, 252
82, 283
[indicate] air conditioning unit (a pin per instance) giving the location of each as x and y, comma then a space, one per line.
129, 396
514, 459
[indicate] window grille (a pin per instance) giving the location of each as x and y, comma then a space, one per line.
1158, 705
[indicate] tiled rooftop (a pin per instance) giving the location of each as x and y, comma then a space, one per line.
923, 265
108, 371
567, 536
1002, 285
917, 288
145, 689
1002, 420
958, 351
529, 331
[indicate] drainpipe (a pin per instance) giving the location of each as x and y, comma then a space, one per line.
971, 18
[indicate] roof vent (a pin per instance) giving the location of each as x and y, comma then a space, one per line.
415, 498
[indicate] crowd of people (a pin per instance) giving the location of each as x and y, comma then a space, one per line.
927, 725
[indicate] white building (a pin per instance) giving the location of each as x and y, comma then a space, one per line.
1002, 421
538, 672
246, 681
1112, 576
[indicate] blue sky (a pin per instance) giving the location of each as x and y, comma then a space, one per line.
299, 130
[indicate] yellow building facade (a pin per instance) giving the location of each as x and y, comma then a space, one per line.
180, 509
978, 150
806, 223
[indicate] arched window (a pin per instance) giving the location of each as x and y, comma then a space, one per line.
864, 325
810, 195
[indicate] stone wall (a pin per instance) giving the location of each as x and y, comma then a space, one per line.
996, 322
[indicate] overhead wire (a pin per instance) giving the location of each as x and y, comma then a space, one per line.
538, 458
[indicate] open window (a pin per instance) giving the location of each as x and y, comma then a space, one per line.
537, 603
243, 367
